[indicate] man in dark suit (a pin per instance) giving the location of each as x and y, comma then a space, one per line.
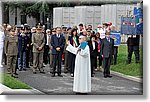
58, 43
107, 48
133, 46
93, 45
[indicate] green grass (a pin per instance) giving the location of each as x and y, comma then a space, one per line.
132, 69
13, 83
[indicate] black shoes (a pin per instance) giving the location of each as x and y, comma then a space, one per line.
53, 75
92, 75
42, 72
34, 72
27, 67
65, 72
14, 76
16, 73
20, 69
81, 93
60, 75
24, 69
107, 76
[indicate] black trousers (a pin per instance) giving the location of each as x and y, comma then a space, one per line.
27, 58
71, 63
46, 55
93, 64
114, 58
57, 62
100, 59
106, 65
136, 51
31, 55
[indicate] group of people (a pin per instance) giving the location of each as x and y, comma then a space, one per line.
78, 48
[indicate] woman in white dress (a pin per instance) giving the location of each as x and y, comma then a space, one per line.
2, 36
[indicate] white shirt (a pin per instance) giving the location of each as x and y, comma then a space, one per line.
47, 39
108, 39
93, 43
58, 35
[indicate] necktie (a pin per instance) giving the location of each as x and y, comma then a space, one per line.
108, 39
58, 35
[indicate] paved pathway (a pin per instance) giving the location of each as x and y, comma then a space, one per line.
64, 85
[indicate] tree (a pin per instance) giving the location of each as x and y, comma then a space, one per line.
30, 9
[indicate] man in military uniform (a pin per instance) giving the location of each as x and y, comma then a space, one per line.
22, 47
28, 48
67, 35
11, 51
38, 42
6, 32
133, 45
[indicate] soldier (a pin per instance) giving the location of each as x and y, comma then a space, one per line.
38, 41
66, 68
28, 41
11, 51
33, 30
22, 47
6, 32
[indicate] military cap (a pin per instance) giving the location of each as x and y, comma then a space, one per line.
88, 30
39, 26
53, 30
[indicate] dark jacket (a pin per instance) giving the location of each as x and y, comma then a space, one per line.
133, 41
107, 48
93, 53
22, 43
29, 40
57, 42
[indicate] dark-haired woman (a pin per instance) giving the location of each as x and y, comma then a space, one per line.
93, 45
98, 40
73, 39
